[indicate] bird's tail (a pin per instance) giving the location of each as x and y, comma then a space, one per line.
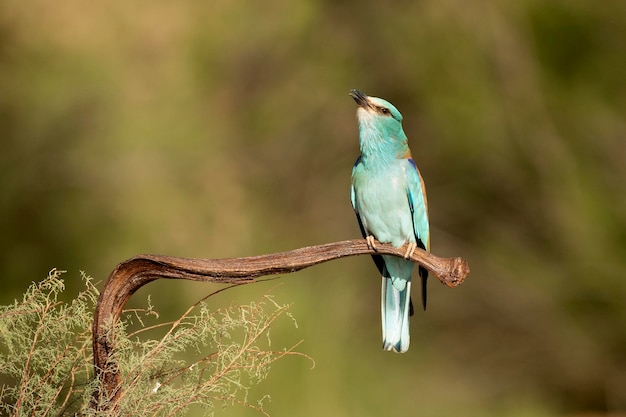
395, 313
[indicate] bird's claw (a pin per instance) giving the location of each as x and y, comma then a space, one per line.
410, 250
370, 242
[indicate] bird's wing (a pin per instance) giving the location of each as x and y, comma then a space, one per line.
416, 194
353, 194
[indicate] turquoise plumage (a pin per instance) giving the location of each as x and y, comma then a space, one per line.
389, 199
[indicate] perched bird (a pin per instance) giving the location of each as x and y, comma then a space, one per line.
389, 199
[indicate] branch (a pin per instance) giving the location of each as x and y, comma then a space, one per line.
134, 273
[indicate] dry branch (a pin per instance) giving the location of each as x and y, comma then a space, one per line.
132, 274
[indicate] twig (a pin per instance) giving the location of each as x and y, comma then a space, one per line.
132, 274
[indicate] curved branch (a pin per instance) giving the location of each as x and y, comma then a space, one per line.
133, 273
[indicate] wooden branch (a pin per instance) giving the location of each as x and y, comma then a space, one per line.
133, 273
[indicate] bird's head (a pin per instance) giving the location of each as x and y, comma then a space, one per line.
378, 119
375, 108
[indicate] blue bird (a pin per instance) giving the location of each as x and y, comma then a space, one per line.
389, 198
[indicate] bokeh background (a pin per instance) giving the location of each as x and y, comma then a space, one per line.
223, 129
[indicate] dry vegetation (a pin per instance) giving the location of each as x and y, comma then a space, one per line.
46, 361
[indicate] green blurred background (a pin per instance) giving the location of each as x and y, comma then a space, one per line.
223, 129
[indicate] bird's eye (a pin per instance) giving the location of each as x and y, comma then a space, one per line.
384, 110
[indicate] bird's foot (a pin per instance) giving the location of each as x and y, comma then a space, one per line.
371, 242
410, 250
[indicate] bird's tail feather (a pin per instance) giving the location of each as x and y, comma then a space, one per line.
395, 315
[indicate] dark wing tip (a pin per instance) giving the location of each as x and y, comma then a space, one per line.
424, 275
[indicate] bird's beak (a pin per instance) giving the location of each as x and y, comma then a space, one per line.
360, 98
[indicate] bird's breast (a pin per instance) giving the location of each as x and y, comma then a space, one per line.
382, 202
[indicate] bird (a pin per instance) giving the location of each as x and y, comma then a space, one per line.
388, 196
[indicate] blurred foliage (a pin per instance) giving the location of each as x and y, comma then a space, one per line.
218, 129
